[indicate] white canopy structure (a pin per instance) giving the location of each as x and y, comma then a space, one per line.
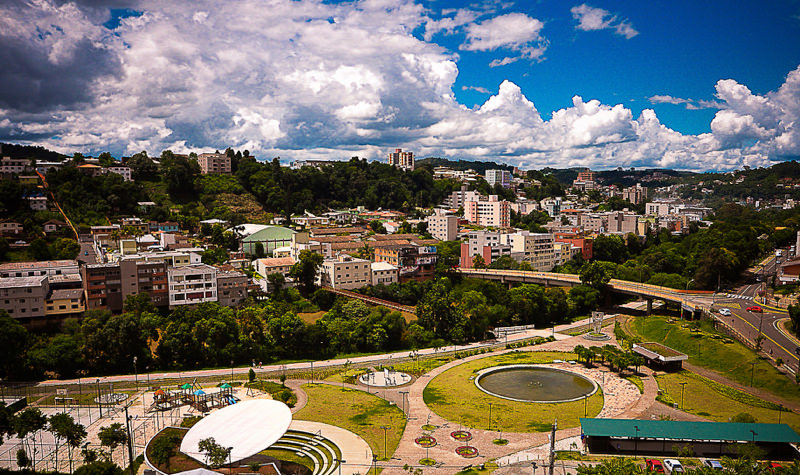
246, 427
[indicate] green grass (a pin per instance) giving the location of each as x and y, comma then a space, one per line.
711, 350
289, 456
454, 396
277, 391
357, 411
488, 467
637, 381
718, 402
85, 398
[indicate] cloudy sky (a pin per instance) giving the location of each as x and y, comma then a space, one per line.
679, 84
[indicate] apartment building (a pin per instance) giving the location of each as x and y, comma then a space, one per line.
443, 227
192, 284
621, 222
37, 203
415, 262
214, 163
64, 302
273, 265
585, 180
457, 199
498, 177
657, 208
10, 228
401, 159
345, 272
486, 244
24, 297
102, 287
535, 248
231, 288
635, 194
15, 166
492, 212
384, 273
583, 244
37, 268
124, 172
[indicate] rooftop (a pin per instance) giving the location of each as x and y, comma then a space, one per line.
61, 294
689, 430
9, 266
16, 282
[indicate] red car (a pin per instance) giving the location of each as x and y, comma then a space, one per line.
654, 465
755, 308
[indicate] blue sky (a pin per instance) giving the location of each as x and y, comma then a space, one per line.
678, 84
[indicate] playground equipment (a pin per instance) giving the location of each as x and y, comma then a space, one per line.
193, 395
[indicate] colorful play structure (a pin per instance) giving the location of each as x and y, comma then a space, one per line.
193, 395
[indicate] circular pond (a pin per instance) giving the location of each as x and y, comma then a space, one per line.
528, 383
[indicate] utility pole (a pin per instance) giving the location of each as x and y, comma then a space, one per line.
553, 447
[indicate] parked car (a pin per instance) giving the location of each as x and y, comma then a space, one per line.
674, 466
725, 311
713, 464
755, 309
654, 465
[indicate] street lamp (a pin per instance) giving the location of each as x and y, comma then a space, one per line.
385, 428
754, 435
490, 416
403, 395
636, 441
231, 371
683, 388
99, 399
136, 373
340, 462
585, 405
534, 466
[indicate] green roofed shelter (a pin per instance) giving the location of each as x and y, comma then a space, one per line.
271, 237
635, 436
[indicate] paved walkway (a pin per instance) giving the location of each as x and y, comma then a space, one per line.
355, 450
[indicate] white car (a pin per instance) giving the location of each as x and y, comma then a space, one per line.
713, 464
673, 466
725, 311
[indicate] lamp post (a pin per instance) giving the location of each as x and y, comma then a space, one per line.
683, 387
99, 399
375, 463
136, 373
231, 371
585, 405
403, 395
385, 428
636, 441
534, 467
340, 462
490, 416
754, 435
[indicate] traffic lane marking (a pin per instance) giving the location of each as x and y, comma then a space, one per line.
768, 337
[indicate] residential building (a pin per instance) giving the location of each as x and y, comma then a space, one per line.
635, 194
231, 288
552, 206
535, 248
622, 222
658, 208
102, 287
415, 262
15, 166
53, 225
166, 226
10, 228
493, 212
583, 244
498, 177
464, 176
457, 199
211, 163
442, 226
192, 284
401, 159
384, 273
145, 277
486, 244
38, 268
24, 297
345, 272
124, 172
585, 180
273, 265
45, 167
37, 202
64, 302
91, 169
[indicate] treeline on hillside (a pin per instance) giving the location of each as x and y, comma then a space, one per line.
478, 166
345, 184
29, 151
759, 183
209, 335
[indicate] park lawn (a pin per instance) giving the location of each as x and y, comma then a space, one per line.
85, 398
716, 352
702, 399
310, 318
357, 411
454, 396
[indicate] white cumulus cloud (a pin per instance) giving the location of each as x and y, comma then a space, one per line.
592, 18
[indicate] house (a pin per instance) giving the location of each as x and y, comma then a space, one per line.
273, 265
10, 228
37, 202
62, 302
384, 273
53, 225
14, 166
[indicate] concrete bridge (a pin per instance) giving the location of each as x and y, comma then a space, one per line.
690, 300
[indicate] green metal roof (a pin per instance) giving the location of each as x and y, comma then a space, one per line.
683, 430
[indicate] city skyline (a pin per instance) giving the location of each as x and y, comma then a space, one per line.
600, 84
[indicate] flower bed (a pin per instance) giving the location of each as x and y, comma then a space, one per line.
461, 435
425, 441
467, 451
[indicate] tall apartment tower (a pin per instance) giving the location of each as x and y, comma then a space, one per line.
401, 159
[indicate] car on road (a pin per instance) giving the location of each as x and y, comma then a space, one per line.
654, 466
725, 311
713, 464
674, 466
755, 309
